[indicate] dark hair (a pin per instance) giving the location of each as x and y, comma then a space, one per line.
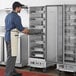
16, 4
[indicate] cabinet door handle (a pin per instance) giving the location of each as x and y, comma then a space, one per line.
16, 35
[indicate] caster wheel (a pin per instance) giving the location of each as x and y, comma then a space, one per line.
59, 73
44, 70
74, 74
30, 68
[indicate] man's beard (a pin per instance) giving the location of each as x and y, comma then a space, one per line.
18, 11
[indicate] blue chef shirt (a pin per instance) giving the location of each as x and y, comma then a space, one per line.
12, 21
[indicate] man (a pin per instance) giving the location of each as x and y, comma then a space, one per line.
12, 21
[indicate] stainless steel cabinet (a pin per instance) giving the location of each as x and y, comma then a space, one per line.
22, 56
1, 48
66, 52
43, 47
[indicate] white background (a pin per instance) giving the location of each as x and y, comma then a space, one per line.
24, 15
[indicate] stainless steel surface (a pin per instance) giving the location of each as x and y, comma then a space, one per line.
24, 49
70, 35
51, 33
59, 35
1, 48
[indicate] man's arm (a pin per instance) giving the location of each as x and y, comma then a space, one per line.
19, 26
25, 31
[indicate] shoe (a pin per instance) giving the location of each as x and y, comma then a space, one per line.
15, 73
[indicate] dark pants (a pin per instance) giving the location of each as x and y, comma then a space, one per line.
11, 60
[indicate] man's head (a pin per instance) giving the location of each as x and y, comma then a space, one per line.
17, 7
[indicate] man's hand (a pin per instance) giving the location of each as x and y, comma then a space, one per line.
25, 31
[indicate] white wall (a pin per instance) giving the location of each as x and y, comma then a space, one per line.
68, 2
2, 18
8, 3
24, 17
24, 14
